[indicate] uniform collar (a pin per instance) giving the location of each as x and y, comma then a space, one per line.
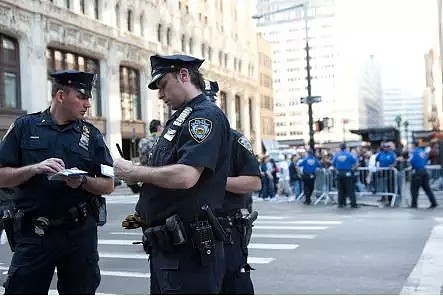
190, 103
47, 120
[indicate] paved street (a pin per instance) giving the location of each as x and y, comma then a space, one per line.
301, 250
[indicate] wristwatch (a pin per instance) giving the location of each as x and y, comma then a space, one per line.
83, 182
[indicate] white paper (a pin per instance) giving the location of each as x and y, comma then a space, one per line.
107, 170
67, 173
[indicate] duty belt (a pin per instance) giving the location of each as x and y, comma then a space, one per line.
74, 216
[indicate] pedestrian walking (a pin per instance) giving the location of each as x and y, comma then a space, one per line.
55, 221
309, 166
345, 163
184, 183
243, 179
420, 177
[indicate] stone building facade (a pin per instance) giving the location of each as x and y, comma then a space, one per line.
115, 39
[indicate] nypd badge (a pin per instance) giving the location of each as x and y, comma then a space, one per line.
245, 143
200, 128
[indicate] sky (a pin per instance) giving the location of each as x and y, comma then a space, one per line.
398, 33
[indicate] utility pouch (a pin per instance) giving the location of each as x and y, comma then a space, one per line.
158, 237
203, 241
176, 230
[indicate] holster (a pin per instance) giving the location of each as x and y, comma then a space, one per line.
8, 224
165, 237
98, 207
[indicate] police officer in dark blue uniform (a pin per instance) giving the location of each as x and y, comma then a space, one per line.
185, 179
386, 158
420, 177
344, 162
244, 178
309, 165
54, 219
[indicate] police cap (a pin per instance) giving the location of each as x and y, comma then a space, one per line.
211, 89
83, 82
161, 65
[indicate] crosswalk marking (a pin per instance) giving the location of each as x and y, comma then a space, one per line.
254, 235
122, 242
290, 227
300, 222
297, 236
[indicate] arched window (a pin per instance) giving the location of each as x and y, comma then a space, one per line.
129, 20
238, 112
130, 93
117, 16
168, 36
97, 9
68, 4
82, 6
159, 33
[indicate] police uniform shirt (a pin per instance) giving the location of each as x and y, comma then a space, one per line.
197, 134
310, 164
344, 160
386, 158
419, 159
35, 137
243, 163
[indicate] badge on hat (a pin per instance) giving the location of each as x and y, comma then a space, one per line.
246, 144
200, 128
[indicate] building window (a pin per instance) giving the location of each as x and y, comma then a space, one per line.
238, 112
142, 25
251, 121
168, 36
220, 57
57, 60
97, 9
129, 20
68, 4
191, 48
203, 50
82, 6
183, 43
117, 16
159, 33
226, 60
223, 102
130, 93
210, 53
9, 73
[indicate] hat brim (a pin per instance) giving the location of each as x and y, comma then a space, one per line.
153, 84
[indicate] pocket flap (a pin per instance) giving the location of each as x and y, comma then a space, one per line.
33, 144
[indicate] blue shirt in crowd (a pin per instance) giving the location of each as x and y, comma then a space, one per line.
419, 158
344, 160
310, 164
386, 158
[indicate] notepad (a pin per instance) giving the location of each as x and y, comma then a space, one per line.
66, 173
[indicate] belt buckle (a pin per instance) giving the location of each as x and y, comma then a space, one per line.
41, 224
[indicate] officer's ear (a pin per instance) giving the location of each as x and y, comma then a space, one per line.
183, 75
59, 95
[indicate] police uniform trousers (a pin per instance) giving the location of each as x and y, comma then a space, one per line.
180, 271
308, 186
346, 188
420, 178
70, 248
237, 276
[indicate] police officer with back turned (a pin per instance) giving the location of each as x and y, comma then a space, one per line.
244, 178
344, 162
55, 221
420, 177
184, 183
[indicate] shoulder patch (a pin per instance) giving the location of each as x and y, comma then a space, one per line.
200, 128
246, 144
9, 129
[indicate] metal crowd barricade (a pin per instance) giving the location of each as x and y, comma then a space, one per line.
435, 173
322, 185
378, 182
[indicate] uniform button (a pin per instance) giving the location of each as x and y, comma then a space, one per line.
208, 252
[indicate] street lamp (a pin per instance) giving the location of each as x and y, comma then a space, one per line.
309, 99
